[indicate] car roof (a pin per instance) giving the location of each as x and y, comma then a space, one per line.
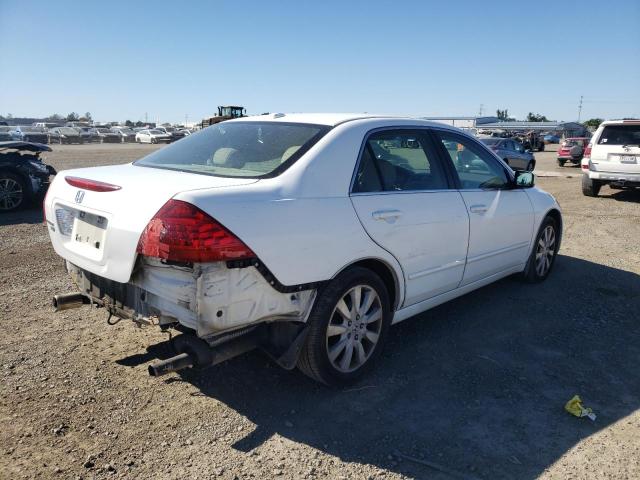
622, 122
334, 119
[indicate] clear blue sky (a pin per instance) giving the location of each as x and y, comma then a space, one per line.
120, 59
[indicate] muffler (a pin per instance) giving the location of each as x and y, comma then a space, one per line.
195, 352
70, 300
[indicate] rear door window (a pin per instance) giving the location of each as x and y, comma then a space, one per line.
399, 160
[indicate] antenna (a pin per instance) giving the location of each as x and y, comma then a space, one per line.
580, 109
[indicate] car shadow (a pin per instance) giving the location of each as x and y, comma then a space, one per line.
626, 195
475, 387
31, 214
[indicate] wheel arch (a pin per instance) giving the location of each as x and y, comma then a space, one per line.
557, 216
386, 273
17, 172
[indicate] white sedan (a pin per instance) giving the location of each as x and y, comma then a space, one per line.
304, 235
152, 136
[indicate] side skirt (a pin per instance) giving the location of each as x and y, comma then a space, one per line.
420, 307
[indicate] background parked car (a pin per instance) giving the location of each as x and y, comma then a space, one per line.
5, 133
86, 134
30, 134
23, 175
512, 152
67, 135
551, 138
104, 135
612, 157
126, 134
571, 150
54, 137
153, 136
174, 133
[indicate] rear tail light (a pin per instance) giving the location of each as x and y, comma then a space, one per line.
587, 152
181, 232
93, 185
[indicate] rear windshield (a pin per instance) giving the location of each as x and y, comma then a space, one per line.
238, 149
620, 135
490, 141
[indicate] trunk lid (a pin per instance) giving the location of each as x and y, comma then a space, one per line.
99, 231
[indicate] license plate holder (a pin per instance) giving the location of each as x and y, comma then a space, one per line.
630, 159
89, 230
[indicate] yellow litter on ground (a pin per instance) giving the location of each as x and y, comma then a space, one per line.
575, 407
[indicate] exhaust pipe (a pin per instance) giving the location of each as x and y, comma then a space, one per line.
173, 364
195, 352
70, 300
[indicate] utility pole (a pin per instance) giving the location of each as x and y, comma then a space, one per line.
580, 109
481, 108
146, 117
186, 119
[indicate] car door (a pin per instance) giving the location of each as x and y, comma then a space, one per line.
500, 217
406, 200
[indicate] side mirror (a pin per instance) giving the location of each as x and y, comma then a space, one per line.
524, 179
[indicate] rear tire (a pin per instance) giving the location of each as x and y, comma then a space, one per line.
347, 328
543, 255
590, 188
561, 162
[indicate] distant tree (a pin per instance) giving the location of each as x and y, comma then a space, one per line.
502, 115
129, 123
139, 124
87, 115
56, 117
593, 122
9, 116
536, 117
73, 117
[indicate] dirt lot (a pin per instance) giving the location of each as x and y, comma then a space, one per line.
475, 387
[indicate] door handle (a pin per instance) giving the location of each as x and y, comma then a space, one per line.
389, 216
479, 209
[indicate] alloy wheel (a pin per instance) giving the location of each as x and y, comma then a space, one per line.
354, 328
545, 250
11, 194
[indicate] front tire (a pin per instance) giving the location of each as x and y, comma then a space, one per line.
543, 255
347, 328
13, 192
590, 188
561, 162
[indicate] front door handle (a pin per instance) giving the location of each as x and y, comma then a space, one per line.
479, 209
388, 216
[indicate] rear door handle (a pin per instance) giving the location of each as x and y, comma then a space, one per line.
479, 209
388, 216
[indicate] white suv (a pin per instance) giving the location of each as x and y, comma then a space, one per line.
612, 157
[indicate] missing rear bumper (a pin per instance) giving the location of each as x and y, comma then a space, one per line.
209, 299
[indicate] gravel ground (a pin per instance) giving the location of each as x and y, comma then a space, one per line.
472, 389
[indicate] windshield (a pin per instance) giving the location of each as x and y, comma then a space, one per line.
490, 141
31, 129
68, 130
4, 129
620, 135
238, 149
103, 130
157, 132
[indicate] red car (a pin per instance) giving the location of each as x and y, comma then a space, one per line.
572, 150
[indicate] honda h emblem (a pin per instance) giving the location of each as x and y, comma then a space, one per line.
79, 196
